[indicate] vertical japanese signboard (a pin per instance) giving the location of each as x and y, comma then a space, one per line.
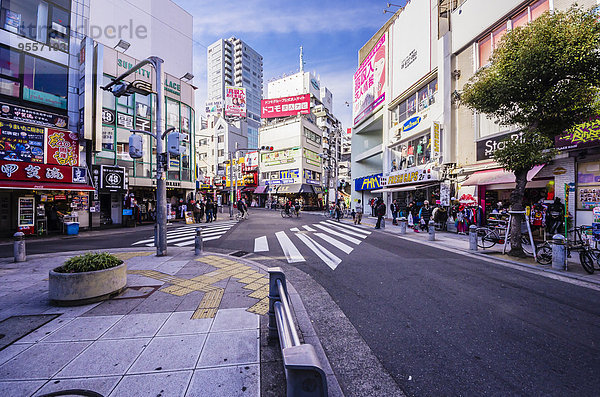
369, 82
235, 101
63, 148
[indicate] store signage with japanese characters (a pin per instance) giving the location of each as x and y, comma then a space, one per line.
369, 82
19, 171
63, 148
21, 142
287, 106
409, 176
125, 121
280, 157
113, 178
31, 116
235, 101
583, 135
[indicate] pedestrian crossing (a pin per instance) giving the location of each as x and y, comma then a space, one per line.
324, 239
185, 235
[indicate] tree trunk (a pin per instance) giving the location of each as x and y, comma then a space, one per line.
516, 200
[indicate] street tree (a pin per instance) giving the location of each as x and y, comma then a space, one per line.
543, 78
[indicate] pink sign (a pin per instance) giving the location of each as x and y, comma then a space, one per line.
235, 101
369, 82
287, 106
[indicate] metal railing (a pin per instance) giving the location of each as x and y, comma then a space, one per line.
303, 371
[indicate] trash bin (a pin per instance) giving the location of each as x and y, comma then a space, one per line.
72, 228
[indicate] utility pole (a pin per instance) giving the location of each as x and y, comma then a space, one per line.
231, 186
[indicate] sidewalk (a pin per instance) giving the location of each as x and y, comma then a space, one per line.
185, 325
454, 241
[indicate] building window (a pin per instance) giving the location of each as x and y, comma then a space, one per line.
10, 63
172, 114
45, 82
221, 153
220, 138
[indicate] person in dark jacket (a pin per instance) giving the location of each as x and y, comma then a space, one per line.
209, 211
425, 214
394, 208
380, 210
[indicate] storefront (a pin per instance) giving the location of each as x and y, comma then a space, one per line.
412, 184
366, 186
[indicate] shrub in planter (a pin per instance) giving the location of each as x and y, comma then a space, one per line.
87, 278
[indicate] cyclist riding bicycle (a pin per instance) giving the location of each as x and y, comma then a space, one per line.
241, 206
297, 206
288, 204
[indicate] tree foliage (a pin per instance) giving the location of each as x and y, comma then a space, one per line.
521, 155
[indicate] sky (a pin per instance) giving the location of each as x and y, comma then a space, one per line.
330, 31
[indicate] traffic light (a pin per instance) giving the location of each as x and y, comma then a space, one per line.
175, 142
136, 146
266, 148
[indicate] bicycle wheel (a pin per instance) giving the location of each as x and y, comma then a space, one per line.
544, 254
526, 245
283, 214
488, 239
238, 216
586, 261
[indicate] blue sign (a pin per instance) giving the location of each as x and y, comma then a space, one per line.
128, 211
368, 182
411, 123
79, 175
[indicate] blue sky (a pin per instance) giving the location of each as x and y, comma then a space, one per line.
331, 32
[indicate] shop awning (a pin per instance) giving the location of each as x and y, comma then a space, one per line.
26, 185
260, 189
497, 176
295, 188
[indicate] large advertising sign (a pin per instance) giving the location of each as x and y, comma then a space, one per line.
251, 161
287, 106
21, 142
409, 176
369, 82
31, 116
280, 157
214, 107
18, 171
368, 182
63, 148
583, 135
487, 147
235, 101
411, 58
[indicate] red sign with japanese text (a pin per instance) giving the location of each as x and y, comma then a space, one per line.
63, 148
20, 171
287, 106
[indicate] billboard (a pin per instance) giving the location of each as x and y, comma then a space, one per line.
369, 82
235, 101
214, 107
21, 142
62, 148
586, 134
251, 161
287, 106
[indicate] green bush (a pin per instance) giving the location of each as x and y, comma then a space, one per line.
89, 262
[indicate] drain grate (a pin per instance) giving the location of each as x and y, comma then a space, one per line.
239, 254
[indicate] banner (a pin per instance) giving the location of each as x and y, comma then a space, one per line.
583, 135
17, 171
62, 148
235, 101
369, 83
37, 117
21, 142
280, 157
251, 160
214, 106
287, 106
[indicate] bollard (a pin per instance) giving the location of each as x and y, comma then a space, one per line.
472, 238
431, 231
19, 247
559, 252
198, 243
383, 222
403, 223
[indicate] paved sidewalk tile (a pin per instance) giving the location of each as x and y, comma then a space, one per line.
169, 353
230, 348
45, 330
170, 384
137, 326
20, 388
12, 350
180, 323
105, 357
234, 319
83, 328
240, 380
41, 361
102, 385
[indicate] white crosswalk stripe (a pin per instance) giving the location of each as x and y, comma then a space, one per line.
186, 235
337, 236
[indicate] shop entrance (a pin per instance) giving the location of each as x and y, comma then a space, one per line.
5, 212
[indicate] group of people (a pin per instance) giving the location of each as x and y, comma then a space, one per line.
417, 217
202, 209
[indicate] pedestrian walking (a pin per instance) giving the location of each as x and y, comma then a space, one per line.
394, 208
209, 209
425, 215
338, 211
359, 213
413, 215
380, 211
373, 205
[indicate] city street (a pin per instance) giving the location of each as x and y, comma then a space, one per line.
441, 323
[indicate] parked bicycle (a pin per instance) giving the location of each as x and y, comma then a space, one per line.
487, 237
588, 257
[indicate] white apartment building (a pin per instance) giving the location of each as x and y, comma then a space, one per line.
232, 62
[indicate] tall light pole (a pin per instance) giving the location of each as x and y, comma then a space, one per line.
161, 183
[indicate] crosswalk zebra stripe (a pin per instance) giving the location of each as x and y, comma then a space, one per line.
261, 244
336, 233
336, 243
352, 228
326, 256
173, 233
308, 228
193, 236
178, 235
190, 242
289, 249
294, 229
344, 230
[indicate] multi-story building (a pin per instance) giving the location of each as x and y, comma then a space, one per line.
412, 139
58, 126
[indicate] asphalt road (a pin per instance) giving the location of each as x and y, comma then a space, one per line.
440, 323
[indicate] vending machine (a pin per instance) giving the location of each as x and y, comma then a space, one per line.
26, 213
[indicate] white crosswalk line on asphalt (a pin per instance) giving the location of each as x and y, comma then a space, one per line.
336, 243
344, 230
294, 229
326, 256
261, 244
186, 235
308, 228
193, 241
349, 227
339, 234
289, 249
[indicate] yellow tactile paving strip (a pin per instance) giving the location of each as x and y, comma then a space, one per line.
253, 281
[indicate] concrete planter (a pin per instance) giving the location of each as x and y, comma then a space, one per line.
71, 289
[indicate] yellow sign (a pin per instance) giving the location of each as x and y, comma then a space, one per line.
189, 218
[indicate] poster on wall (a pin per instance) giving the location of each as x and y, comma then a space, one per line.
235, 101
369, 82
21, 142
63, 148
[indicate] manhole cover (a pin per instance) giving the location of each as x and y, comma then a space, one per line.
239, 254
